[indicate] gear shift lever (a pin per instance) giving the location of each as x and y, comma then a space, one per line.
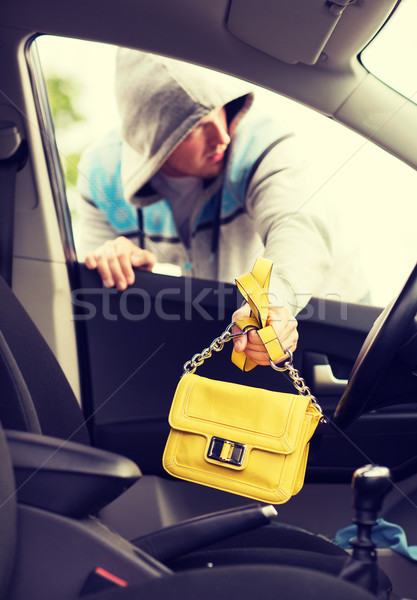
370, 486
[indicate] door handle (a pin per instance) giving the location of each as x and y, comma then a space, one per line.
324, 382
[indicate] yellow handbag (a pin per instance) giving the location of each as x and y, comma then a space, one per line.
247, 441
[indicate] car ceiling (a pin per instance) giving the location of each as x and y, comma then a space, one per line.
328, 35
223, 33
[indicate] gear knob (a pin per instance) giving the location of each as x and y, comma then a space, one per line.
370, 486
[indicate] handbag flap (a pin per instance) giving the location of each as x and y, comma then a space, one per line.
255, 417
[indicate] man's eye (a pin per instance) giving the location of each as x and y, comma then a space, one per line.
195, 129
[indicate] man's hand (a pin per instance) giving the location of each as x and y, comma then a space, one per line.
284, 324
114, 261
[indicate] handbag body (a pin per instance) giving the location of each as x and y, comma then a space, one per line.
248, 441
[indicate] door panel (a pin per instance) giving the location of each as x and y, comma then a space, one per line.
137, 341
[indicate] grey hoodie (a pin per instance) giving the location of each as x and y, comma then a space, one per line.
160, 100
264, 192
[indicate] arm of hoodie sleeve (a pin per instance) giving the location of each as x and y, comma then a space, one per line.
91, 228
295, 239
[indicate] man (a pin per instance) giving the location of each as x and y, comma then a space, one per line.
199, 180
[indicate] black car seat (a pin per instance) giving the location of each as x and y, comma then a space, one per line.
50, 556
36, 397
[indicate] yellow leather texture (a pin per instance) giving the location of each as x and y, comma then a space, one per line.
254, 288
273, 428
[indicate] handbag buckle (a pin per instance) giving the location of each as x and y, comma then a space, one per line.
226, 451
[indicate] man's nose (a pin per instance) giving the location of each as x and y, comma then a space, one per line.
219, 135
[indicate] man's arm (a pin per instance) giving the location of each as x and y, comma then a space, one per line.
100, 248
296, 239
91, 228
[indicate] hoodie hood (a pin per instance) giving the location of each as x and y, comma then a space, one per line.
160, 101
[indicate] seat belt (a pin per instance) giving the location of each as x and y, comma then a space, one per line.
13, 156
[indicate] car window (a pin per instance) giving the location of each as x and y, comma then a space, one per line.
392, 54
365, 195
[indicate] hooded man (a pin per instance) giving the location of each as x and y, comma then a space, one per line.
199, 179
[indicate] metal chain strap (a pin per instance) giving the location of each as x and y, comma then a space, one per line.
218, 344
215, 346
297, 381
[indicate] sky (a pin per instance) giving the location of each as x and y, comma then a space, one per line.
350, 177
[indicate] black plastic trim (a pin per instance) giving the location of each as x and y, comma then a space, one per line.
65, 477
57, 181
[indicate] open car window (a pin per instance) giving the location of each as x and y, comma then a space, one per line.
352, 182
392, 54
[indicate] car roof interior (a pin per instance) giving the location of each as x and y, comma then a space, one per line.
214, 34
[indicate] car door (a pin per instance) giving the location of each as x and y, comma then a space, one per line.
132, 346
137, 342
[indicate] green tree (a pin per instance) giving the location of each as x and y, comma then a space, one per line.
63, 96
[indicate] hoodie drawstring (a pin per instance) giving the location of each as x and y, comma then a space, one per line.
141, 233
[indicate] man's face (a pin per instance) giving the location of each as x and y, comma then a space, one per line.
201, 153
